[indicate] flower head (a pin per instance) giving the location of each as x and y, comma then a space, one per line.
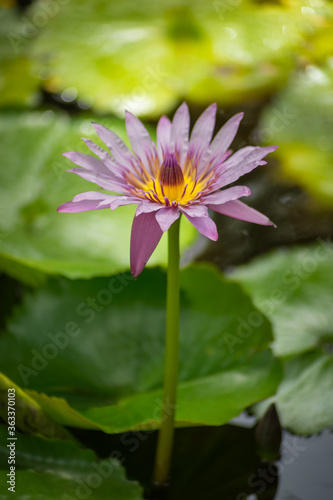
181, 174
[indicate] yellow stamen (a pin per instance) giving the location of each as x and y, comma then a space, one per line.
170, 183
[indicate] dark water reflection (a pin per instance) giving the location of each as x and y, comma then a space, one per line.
223, 463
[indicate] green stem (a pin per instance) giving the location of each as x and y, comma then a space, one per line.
165, 437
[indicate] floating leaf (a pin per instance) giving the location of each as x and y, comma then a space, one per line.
28, 415
34, 238
61, 470
100, 345
305, 396
294, 289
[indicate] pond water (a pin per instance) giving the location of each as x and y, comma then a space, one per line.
306, 474
223, 463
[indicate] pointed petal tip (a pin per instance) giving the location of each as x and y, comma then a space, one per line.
183, 105
212, 108
269, 223
135, 276
135, 271
129, 115
239, 116
163, 131
183, 110
98, 126
214, 237
63, 208
272, 148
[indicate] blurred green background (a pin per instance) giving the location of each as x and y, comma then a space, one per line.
65, 63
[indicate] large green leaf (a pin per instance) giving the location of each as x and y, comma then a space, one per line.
305, 396
47, 470
34, 238
29, 416
146, 57
294, 289
301, 122
100, 345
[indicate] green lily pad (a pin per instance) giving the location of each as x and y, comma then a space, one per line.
28, 415
294, 289
49, 469
301, 122
146, 58
96, 349
305, 396
36, 240
18, 81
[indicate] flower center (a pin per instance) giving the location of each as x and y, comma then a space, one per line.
171, 178
168, 183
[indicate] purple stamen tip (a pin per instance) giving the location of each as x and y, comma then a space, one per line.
171, 173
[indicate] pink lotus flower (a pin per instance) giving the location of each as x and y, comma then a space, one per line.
181, 175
